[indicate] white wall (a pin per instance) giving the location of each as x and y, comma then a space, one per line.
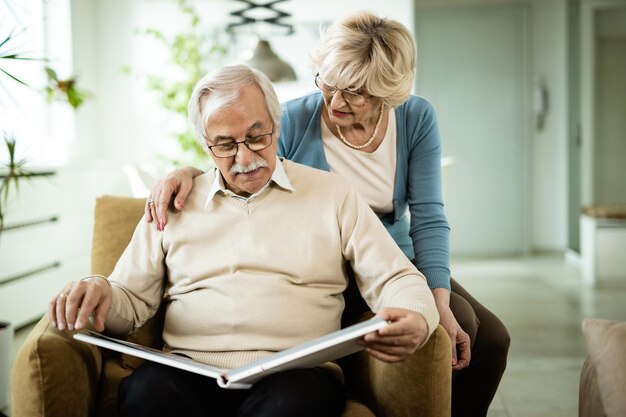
123, 123
548, 161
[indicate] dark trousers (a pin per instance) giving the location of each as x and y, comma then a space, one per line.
474, 387
156, 390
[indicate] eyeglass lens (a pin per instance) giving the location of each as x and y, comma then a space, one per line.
255, 144
350, 97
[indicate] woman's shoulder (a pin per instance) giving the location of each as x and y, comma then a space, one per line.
417, 105
417, 122
416, 113
308, 102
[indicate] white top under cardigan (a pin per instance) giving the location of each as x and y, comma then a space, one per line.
373, 174
243, 279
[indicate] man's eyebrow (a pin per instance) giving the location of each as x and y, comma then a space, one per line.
223, 137
256, 125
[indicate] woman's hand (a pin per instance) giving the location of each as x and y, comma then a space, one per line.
406, 331
177, 183
461, 351
72, 307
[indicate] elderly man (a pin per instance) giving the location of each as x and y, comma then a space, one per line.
255, 264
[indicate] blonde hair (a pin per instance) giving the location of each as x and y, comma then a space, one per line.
364, 51
221, 88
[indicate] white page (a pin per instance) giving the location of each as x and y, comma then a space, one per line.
306, 355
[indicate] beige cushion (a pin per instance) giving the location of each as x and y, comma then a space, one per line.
606, 342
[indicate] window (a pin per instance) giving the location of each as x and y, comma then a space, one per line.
39, 30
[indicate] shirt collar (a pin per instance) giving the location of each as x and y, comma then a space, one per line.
279, 176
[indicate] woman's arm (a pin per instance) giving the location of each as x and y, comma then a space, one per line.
177, 183
429, 228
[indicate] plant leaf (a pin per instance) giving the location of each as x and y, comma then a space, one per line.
13, 77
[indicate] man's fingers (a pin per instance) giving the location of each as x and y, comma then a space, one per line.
89, 302
73, 302
99, 315
72, 307
52, 311
401, 340
57, 305
60, 311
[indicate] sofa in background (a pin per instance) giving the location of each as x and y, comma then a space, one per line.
57, 376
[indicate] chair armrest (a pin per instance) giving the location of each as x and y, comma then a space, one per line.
589, 401
55, 375
419, 386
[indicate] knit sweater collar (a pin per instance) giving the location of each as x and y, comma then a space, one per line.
278, 176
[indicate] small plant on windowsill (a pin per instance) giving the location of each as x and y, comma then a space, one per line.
13, 171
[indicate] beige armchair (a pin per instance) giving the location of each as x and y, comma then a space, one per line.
54, 375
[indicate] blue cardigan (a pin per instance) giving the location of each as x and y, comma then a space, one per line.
418, 223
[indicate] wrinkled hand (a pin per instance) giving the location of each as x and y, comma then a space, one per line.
177, 183
406, 331
71, 308
460, 340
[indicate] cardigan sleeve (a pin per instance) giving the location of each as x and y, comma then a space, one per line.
429, 229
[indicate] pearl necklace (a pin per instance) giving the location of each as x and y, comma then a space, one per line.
371, 139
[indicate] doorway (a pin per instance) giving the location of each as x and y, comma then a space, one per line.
473, 67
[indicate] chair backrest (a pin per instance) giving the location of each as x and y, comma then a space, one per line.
115, 219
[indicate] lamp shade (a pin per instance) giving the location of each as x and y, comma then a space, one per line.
265, 60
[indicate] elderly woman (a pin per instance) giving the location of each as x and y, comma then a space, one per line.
365, 125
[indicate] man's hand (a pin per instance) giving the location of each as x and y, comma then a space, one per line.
406, 331
78, 300
177, 183
461, 351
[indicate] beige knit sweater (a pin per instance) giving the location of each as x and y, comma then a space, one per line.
245, 279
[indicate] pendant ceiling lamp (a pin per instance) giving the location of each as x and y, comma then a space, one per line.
262, 57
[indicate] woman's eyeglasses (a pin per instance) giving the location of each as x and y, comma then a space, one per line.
353, 98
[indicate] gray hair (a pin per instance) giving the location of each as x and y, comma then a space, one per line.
221, 88
364, 51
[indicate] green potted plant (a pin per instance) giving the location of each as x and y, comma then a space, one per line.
192, 52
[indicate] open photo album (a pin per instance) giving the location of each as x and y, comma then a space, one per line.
309, 354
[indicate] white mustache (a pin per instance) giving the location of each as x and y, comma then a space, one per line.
241, 169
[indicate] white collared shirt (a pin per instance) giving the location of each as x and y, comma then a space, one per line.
278, 176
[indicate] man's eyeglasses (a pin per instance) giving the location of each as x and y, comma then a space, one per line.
254, 143
353, 98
